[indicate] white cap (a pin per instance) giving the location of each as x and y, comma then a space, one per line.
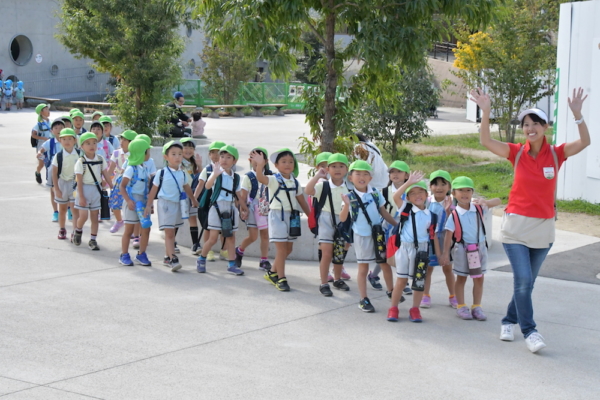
536, 111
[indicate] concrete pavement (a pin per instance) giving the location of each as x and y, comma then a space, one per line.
76, 325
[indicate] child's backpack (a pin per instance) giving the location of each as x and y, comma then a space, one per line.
43, 130
286, 189
59, 160
209, 197
393, 243
316, 206
49, 155
345, 228
385, 192
457, 236
253, 185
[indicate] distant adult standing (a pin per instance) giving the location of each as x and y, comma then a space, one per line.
367, 151
528, 223
179, 119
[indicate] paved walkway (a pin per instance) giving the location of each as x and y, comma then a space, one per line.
76, 325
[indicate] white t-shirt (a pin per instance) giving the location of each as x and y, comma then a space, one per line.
336, 196
139, 187
282, 199
67, 172
87, 176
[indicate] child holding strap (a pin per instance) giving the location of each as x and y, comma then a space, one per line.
284, 216
134, 188
439, 203
469, 252
63, 177
89, 170
117, 167
192, 168
367, 214
414, 238
169, 185
252, 193
223, 215
49, 149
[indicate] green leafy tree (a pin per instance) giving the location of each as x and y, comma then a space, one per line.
514, 60
402, 118
138, 42
381, 31
308, 59
224, 68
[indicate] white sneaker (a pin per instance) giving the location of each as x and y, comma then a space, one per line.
507, 332
535, 342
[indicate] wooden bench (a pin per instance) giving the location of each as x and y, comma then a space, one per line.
41, 100
93, 104
258, 109
215, 108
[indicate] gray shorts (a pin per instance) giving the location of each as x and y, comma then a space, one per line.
66, 188
92, 197
460, 265
49, 178
279, 231
130, 216
214, 222
169, 214
405, 258
326, 228
193, 211
363, 247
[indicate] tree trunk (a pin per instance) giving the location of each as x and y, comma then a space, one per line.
328, 134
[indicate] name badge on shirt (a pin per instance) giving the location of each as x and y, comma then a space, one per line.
549, 172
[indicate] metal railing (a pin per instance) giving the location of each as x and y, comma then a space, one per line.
443, 50
69, 80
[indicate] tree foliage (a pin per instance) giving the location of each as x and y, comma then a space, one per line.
138, 42
381, 32
224, 68
308, 59
514, 60
401, 118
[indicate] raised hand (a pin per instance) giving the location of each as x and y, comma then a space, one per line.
447, 204
415, 176
345, 198
321, 173
482, 99
258, 159
577, 102
217, 168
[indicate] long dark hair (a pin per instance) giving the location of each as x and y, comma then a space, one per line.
196, 167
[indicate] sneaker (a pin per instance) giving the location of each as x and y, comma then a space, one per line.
389, 295
62, 233
330, 278
407, 290
142, 258
341, 285
93, 244
507, 332
365, 305
125, 260
415, 314
374, 281
200, 265
210, 256
176, 249
118, 225
224, 255
345, 275
238, 258
69, 214
478, 314
535, 342
282, 285
271, 277
452, 301
393, 314
136, 242
174, 264
55, 216
235, 270
464, 313
264, 265
38, 178
197, 249
425, 302
326, 290
76, 238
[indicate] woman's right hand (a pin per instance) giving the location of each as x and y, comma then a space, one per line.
482, 99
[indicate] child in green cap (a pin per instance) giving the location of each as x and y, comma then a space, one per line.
191, 165
39, 134
63, 176
118, 161
49, 149
78, 121
106, 122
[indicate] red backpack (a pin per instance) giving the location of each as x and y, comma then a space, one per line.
315, 206
457, 235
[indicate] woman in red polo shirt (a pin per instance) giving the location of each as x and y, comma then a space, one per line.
528, 223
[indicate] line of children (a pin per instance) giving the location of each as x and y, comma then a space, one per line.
118, 161
47, 151
41, 132
63, 170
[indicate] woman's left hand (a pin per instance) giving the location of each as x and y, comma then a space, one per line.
577, 103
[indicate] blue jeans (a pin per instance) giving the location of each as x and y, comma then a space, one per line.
525, 263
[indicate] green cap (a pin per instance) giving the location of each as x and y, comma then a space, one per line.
440, 173
129, 134
74, 110
77, 114
87, 136
104, 118
216, 146
337, 157
145, 138
187, 140
463, 182
273, 159
419, 184
100, 113
360, 165
67, 118
137, 152
400, 166
323, 157
264, 151
231, 150
170, 144
40, 107
68, 132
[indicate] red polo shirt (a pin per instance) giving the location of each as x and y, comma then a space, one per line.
532, 192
